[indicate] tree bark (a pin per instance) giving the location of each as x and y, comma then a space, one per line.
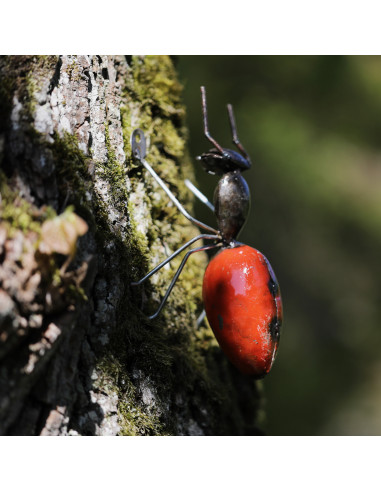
77, 353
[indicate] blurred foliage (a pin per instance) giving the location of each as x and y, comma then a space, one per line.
312, 126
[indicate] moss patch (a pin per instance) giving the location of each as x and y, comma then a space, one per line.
21, 74
169, 377
18, 213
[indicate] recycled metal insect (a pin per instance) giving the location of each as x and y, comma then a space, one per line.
240, 291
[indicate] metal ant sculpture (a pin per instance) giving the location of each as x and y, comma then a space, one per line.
240, 291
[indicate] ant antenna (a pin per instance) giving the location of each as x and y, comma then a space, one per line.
205, 118
234, 133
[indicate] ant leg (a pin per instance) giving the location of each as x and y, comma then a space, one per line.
198, 194
205, 118
136, 151
202, 248
200, 319
167, 260
234, 133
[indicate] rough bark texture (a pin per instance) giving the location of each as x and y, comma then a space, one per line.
77, 354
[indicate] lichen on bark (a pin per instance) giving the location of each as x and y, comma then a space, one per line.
65, 140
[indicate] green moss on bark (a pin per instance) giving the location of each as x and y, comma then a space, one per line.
21, 75
19, 214
170, 377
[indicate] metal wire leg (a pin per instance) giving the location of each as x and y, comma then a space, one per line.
139, 149
177, 274
175, 200
198, 194
234, 133
167, 260
200, 319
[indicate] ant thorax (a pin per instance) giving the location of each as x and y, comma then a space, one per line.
232, 205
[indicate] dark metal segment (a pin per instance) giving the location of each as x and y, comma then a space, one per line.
232, 204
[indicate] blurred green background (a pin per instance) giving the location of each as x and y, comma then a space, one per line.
312, 126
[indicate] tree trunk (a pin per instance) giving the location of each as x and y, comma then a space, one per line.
77, 353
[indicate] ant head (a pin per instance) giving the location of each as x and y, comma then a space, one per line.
215, 162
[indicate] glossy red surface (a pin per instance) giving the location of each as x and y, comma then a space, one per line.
244, 308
